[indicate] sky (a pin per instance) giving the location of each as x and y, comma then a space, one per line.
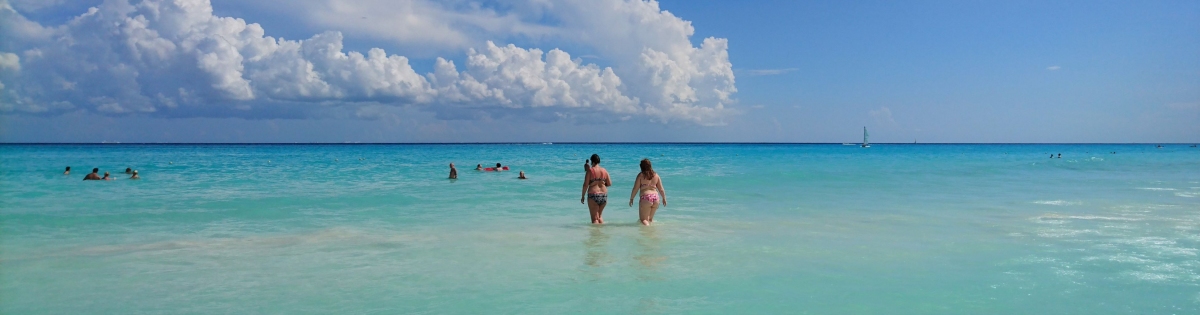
337, 71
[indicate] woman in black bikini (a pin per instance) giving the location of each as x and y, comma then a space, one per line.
595, 186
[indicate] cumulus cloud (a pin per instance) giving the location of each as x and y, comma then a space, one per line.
10, 61
176, 58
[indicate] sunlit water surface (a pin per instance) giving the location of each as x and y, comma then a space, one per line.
799, 229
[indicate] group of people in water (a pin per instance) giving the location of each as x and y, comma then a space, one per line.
479, 167
95, 174
648, 185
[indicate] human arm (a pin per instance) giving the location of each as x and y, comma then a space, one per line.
661, 192
583, 194
633, 193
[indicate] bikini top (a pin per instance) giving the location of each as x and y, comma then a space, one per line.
595, 175
646, 182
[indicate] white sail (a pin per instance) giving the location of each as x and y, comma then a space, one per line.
865, 144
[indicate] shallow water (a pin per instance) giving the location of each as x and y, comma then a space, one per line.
810, 229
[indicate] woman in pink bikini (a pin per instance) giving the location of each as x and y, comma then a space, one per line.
651, 188
595, 188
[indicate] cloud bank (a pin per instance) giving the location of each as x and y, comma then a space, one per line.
175, 58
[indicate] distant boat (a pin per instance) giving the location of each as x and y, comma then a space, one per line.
866, 144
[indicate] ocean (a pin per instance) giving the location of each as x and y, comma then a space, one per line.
749, 228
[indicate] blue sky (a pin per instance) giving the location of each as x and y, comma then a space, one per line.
604, 70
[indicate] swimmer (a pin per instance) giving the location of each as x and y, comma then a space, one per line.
135, 176
498, 167
478, 167
651, 188
1060, 155
106, 176
453, 172
128, 170
522, 175
595, 187
94, 175
68, 171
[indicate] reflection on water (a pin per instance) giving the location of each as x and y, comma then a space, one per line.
649, 255
595, 253
596, 243
648, 306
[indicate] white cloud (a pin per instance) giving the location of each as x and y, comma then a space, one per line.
176, 58
34, 5
882, 116
1053, 68
10, 61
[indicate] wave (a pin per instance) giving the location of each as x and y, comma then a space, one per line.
1058, 202
334, 235
1156, 188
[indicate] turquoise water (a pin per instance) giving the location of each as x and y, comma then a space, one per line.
801, 229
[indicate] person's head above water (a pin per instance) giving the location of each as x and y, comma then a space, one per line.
595, 159
68, 168
128, 170
497, 166
96, 170
647, 169
522, 175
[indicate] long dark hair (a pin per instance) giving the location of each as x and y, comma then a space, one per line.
595, 159
647, 169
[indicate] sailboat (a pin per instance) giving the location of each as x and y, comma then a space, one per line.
866, 144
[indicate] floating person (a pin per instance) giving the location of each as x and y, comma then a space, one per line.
135, 175
478, 167
650, 186
595, 185
453, 172
128, 170
499, 168
94, 175
68, 171
106, 176
522, 175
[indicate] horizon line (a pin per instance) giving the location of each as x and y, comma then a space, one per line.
552, 143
